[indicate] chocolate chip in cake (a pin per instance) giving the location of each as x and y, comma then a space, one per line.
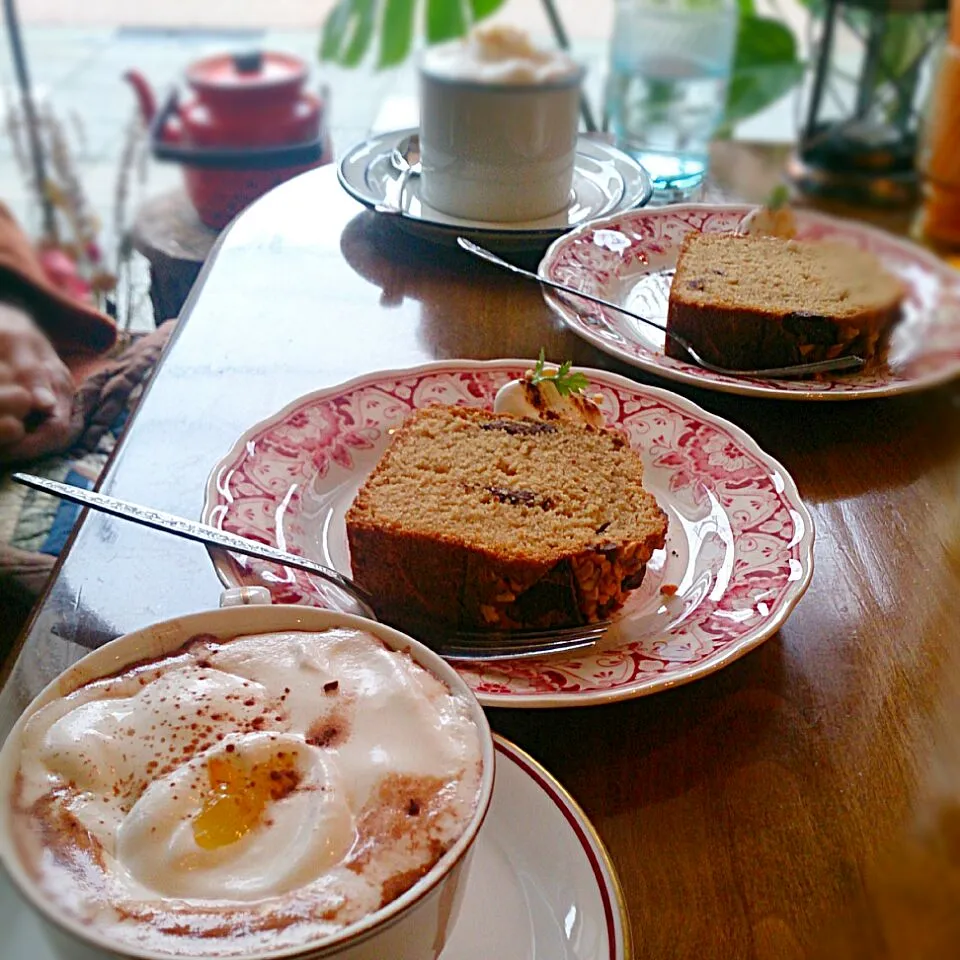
634, 581
521, 427
517, 498
810, 327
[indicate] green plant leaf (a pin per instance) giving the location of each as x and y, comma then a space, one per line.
348, 30
765, 66
352, 25
445, 20
483, 8
396, 32
334, 29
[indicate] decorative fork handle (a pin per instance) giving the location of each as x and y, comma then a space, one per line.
193, 530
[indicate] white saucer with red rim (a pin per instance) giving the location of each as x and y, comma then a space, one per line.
541, 886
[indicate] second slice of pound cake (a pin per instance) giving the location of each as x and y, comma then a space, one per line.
475, 519
749, 302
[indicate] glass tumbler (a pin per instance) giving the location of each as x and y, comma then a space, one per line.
670, 64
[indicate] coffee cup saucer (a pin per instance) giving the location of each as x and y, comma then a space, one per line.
606, 181
538, 863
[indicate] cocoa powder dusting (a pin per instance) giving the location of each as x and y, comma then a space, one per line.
400, 883
330, 730
62, 834
388, 818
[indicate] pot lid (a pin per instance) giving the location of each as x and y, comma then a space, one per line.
251, 71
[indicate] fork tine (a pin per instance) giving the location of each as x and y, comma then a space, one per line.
518, 644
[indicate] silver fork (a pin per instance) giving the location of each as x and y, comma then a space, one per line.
466, 645
491, 645
794, 370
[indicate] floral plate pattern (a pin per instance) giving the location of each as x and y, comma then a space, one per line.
739, 549
629, 259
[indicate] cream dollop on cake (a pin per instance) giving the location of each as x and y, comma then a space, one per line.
774, 218
261, 792
769, 221
498, 55
538, 395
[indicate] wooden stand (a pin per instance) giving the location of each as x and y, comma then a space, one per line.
168, 232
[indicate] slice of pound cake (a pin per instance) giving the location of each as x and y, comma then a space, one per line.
748, 302
477, 519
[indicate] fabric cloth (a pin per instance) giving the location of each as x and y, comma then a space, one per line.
34, 527
81, 334
35, 523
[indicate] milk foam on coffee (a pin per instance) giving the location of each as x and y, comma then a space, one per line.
498, 55
260, 792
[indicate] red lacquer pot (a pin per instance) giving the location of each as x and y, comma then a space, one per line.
249, 126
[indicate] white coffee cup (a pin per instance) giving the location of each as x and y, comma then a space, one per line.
498, 128
414, 926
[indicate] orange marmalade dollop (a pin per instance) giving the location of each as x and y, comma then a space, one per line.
238, 794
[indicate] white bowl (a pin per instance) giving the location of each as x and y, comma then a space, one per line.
414, 926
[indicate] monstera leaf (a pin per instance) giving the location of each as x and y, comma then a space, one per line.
765, 67
765, 63
352, 25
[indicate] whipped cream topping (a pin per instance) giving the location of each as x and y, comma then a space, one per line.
768, 221
543, 401
260, 792
499, 55
307, 833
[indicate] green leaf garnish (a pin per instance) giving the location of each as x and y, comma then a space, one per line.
779, 197
565, 381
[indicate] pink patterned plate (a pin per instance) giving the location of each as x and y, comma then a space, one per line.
629, 258
739, 549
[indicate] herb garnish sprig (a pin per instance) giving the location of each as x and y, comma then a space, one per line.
562, 378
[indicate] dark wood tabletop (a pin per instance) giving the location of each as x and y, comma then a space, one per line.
803, 801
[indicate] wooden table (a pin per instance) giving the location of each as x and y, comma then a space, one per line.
801, 802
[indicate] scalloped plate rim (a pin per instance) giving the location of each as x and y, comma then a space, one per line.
752, 388
649, 685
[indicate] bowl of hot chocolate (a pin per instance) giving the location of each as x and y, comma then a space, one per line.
256, 782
